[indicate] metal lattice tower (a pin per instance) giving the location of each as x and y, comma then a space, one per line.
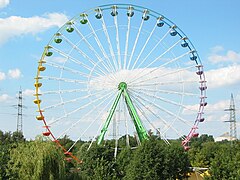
20, 114
232, 119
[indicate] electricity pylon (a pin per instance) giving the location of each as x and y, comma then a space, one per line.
232, 119
20, 114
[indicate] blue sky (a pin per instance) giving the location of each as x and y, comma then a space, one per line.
26, 26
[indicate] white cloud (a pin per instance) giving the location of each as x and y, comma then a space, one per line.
215, 112
4, 3
217, 117
2, 76
4, 97
217, 49
14, 73
28, 92
218, 106
215, 57
223, 76
148, 76
14, 26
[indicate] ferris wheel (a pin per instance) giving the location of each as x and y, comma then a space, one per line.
120, 72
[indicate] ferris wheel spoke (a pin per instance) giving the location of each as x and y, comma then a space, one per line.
169, 49
106, 96
163, 75
174, 72
67, 69
83, 117
102, 81
68, 57
78, 109
135, 43
144, 60
162, 99
159, 83
118, 43
101, 46
105, 84
149, 121
63, 79
62, 103
156, 89
108, 40
144, 46
64, 91
91, 124
168, 125
140, 73
126, 43
175, 59
163, 109
97, 133
94, 52
94, 63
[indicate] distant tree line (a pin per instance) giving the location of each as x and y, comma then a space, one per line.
42, 159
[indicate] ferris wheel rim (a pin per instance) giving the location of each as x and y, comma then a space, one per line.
191, 47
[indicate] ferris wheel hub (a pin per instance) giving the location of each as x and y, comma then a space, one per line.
122, 85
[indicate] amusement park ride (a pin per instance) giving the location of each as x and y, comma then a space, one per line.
120, 68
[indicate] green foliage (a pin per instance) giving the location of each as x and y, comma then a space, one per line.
202, 151
66, 142
98, 162
123, 160
177, 161
154, 160
201, 157
222, 158
41, 159
10, 138
226, 164
199, 141
8, 141
4, 158
132, 141
36, 160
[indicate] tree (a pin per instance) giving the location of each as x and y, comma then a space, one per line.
98, 162
8, 141
155, 160
201, 157
226, 163
36, 160
177, 162
124, 158
4, 158
66, 142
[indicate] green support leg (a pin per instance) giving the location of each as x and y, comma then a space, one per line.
142, 134
110, 115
